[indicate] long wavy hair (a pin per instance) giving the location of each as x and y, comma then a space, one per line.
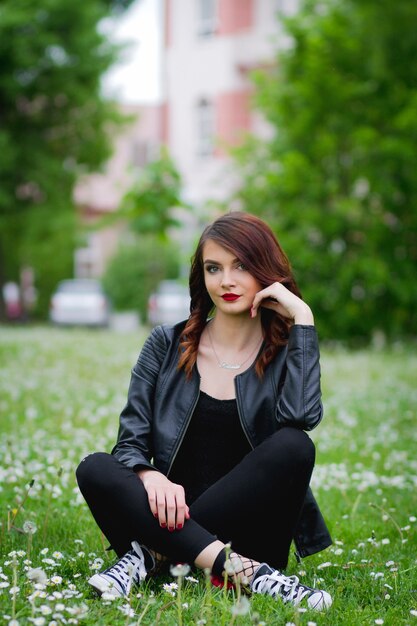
255, 245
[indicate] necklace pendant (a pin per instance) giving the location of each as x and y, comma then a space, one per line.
229, 366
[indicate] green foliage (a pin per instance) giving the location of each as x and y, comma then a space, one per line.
136, 269
149, 203
54, 125
337, 180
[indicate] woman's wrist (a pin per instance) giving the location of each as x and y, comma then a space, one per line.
143, 472
304, 316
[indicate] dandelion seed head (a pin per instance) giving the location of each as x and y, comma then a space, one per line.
29, 527
180, 570
241, 607
233, 567
37, 575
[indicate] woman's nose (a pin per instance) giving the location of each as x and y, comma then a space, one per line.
228, 278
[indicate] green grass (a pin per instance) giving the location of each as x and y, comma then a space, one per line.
60, 395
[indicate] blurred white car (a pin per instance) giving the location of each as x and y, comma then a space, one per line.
169, 304
79, 302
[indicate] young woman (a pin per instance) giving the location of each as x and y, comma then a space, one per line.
211, 446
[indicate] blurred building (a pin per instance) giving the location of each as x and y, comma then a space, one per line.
210, 48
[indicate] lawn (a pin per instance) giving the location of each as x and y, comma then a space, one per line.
60, 395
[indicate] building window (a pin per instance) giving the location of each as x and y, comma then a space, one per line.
207, 17
139, 156
205, 128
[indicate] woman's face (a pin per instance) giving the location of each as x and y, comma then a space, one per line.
230, 286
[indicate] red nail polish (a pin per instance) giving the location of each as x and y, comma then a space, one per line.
163, 525
179, 526
155, 515
171, 529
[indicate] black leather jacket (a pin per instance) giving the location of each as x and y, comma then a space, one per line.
161, 402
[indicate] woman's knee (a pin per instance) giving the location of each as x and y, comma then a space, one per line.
294, 445
93, 469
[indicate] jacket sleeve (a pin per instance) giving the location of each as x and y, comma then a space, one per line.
134, 441
299, 402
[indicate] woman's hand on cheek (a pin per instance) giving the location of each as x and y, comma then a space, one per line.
283, 301
166, 499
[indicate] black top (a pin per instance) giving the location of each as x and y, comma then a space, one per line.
213, 444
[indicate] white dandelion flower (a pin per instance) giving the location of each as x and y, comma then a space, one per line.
57, 555
191, 579
56, 580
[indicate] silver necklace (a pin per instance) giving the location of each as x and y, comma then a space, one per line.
230, 366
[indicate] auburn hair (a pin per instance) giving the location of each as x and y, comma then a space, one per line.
255, 245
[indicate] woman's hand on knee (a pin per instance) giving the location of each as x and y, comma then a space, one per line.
166, 499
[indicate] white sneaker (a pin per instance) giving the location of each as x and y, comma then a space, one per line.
117, 579
272, 582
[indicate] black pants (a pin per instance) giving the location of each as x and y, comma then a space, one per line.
255, 506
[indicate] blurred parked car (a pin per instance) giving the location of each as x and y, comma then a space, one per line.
169, 304
79, 302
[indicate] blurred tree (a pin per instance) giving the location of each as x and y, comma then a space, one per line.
135, 270
337, 181
54, 124
147, 255
148, 205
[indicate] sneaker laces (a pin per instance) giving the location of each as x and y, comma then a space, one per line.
289, 588
130, 568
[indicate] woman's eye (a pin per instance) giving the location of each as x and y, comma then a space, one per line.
211, 269
242, 267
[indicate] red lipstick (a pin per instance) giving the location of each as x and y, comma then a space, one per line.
230, 297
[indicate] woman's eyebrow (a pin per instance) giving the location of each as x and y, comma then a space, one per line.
218, 262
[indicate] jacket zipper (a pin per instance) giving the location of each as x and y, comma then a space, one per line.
240, 415
188, 420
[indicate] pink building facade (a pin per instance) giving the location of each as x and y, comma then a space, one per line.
101, 193
210, 48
